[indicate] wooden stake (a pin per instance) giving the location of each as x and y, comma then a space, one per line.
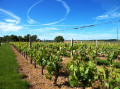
35, 58
81, 42
26, 55
96, 44
30, 42
72, 47
44, 42
30, 49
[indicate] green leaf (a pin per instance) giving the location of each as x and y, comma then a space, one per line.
70, 77
72, 83
116, 88
71, 67
48, 77
107, 84
96, 77
86, 70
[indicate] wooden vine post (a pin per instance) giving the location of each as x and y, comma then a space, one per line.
19, 45
96, 47
0, 43
26, 54
44, 42
30, 44
30, 41
71, 47
35, 58
96, 43
81, 42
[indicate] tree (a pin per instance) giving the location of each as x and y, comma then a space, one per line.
13, 38
38, 40
7, 38
34, 37
21, 38
1, 39
59, 39
27, 37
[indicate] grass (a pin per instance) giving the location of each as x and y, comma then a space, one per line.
9, 76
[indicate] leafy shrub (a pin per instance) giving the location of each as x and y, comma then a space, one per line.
102, 62
116, 64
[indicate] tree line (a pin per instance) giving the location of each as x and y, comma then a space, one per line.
15, 38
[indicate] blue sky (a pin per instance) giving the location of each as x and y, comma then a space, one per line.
46, 18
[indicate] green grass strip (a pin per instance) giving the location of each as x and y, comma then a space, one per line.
9, 76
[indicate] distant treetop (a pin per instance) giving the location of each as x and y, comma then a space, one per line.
58, 39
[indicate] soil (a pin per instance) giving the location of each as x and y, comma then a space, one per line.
102, 58
36, 79
117, 60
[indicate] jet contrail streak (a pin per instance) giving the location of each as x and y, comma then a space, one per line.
30, 20
67, 12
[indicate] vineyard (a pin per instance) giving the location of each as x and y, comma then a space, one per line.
87, 64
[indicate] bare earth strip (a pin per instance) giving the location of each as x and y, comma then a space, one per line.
34, 77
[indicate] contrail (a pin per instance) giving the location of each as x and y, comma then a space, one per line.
30, 20
67, 12
63, 3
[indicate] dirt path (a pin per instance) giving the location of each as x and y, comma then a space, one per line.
34, 77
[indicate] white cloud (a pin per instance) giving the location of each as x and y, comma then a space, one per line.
31, 21
51, 28
11, 14
112, 13
108, 16
9, 27
39, 30
44, 29
51, 36
68, 36
10, 22
102, 17
60, 25
64, 34
67, 25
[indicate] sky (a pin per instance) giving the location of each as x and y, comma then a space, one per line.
50, 18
